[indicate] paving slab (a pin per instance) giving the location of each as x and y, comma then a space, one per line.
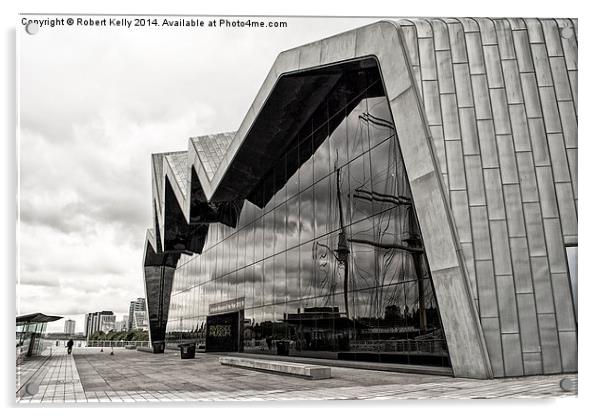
129, 376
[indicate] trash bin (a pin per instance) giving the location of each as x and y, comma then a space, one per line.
282, 347
187, 350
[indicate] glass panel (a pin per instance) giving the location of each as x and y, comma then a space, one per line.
292, 274
280, 228
259, 291
292, 222
306, 159
306, 215
280, 278
379, 120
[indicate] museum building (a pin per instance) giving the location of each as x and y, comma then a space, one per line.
404, 193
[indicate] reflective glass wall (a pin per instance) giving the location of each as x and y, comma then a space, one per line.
331, 265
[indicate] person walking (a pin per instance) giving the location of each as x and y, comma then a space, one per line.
69, 346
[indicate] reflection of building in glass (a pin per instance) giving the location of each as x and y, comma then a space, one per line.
387, 201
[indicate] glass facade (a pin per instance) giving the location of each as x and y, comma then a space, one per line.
29, 339
329, 263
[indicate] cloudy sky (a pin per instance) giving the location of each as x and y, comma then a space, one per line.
94, 103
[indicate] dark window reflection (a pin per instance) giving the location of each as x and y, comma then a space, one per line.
332, 266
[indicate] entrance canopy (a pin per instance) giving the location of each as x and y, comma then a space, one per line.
34, 318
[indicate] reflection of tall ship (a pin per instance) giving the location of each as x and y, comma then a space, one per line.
385, 311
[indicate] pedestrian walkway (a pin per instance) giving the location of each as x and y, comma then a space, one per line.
57, 381
130, 376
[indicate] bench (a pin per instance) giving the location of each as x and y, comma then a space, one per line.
308, 371
144, 349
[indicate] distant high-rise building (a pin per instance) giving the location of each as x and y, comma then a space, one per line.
135, 305
121, 326
70, 326
99, 321
140, 321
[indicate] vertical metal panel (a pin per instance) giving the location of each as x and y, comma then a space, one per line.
569, 123
535, 31
418, 78
561, 79
486, 289
550, 32
445, 71
513, 360
504, 38
566, 206
528, 322
480, 233
563, 301
463, 85
550, 350
527, 178
512, 81
539, 142
547, 192
500, 111
544, 298
474, 180
439, 144
481, 97
431, 102
555, 245
487, 30
535, 234
487, 143
468, 254
491, 331
440, 34
459, 204
523, 51
493, 191
550, 110
531, 95
492, 64
455, 165
451, 124
427, 59
411, 41
569, 45
574, 84
520, 129
521, 265
457, 44
508, 168
572, 158
542, 66
501, 248
468, 127
507, 303
475, 53
532, 363
568, 347
514, 212
560, 164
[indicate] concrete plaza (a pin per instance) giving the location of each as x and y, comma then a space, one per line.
90, 375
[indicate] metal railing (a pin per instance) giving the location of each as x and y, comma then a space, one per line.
432, 346
117, 344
